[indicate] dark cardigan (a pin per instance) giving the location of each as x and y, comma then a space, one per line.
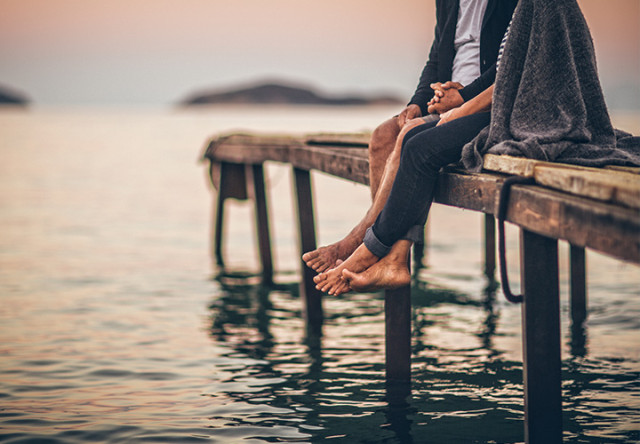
440, 63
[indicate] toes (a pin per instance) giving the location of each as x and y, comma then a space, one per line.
342, 288
319, 278
309, 255
321, 268
326, 287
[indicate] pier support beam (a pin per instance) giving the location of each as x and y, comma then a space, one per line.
541, 339
230, 180
307, 231
578, 284
490, 246
262, 221
397, 315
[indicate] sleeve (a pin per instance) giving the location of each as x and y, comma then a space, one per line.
429, 75
480, 84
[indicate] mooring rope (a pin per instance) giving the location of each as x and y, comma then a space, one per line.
503, 205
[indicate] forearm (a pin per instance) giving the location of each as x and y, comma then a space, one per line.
480, 84
480, 103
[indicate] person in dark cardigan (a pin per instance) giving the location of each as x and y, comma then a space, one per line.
461, 64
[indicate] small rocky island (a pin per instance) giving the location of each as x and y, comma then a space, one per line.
282, 93
10, 97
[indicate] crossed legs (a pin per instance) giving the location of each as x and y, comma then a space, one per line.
380, 262
384, 154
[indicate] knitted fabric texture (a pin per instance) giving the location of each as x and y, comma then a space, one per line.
547, 102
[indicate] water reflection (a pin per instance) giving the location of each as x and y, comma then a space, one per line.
335, 383
280, 383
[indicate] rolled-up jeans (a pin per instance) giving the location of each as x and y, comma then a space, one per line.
425, 150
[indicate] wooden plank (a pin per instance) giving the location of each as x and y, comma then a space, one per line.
541, 339
351, 164
339, 139
627, 169
518, 166
241, 149
604, 227
610, 185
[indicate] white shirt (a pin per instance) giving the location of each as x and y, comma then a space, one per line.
466, 63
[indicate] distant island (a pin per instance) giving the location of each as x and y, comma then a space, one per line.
9, 97
281, 93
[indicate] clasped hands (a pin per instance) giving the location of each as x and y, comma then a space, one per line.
446, 101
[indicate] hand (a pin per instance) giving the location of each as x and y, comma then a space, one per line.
410, 124
410, 112
449, 99
440, 89
452, 114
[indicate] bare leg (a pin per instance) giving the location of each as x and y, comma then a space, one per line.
390, 272
383, 141
325, 258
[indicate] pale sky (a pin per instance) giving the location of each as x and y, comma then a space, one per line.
158, 51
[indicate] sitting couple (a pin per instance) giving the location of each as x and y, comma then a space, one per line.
540, 99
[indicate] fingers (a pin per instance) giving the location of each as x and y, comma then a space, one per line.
452, 85
437, 108
412, 114
341, 288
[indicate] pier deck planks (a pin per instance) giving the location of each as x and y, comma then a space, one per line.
588, 207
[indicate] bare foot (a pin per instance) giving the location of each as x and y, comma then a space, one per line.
333, 283
383, 275
325, 258
388, 273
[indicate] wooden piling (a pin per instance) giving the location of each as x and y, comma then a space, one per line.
490, 246
262, 221
231, 181
397, 315
578, 290
541, 339
307, 234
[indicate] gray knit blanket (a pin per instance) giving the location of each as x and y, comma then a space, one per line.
547, 101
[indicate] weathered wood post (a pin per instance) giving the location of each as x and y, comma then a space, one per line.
307, 232
231, 182
541, 339
490, 246
578, 284
262, 220
397, 315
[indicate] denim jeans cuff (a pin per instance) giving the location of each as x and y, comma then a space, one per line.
415, 234
374, 245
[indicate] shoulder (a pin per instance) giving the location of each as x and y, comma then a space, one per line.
445, 6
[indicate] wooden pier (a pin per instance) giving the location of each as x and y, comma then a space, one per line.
590, 208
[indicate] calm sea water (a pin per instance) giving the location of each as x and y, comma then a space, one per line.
115, 327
